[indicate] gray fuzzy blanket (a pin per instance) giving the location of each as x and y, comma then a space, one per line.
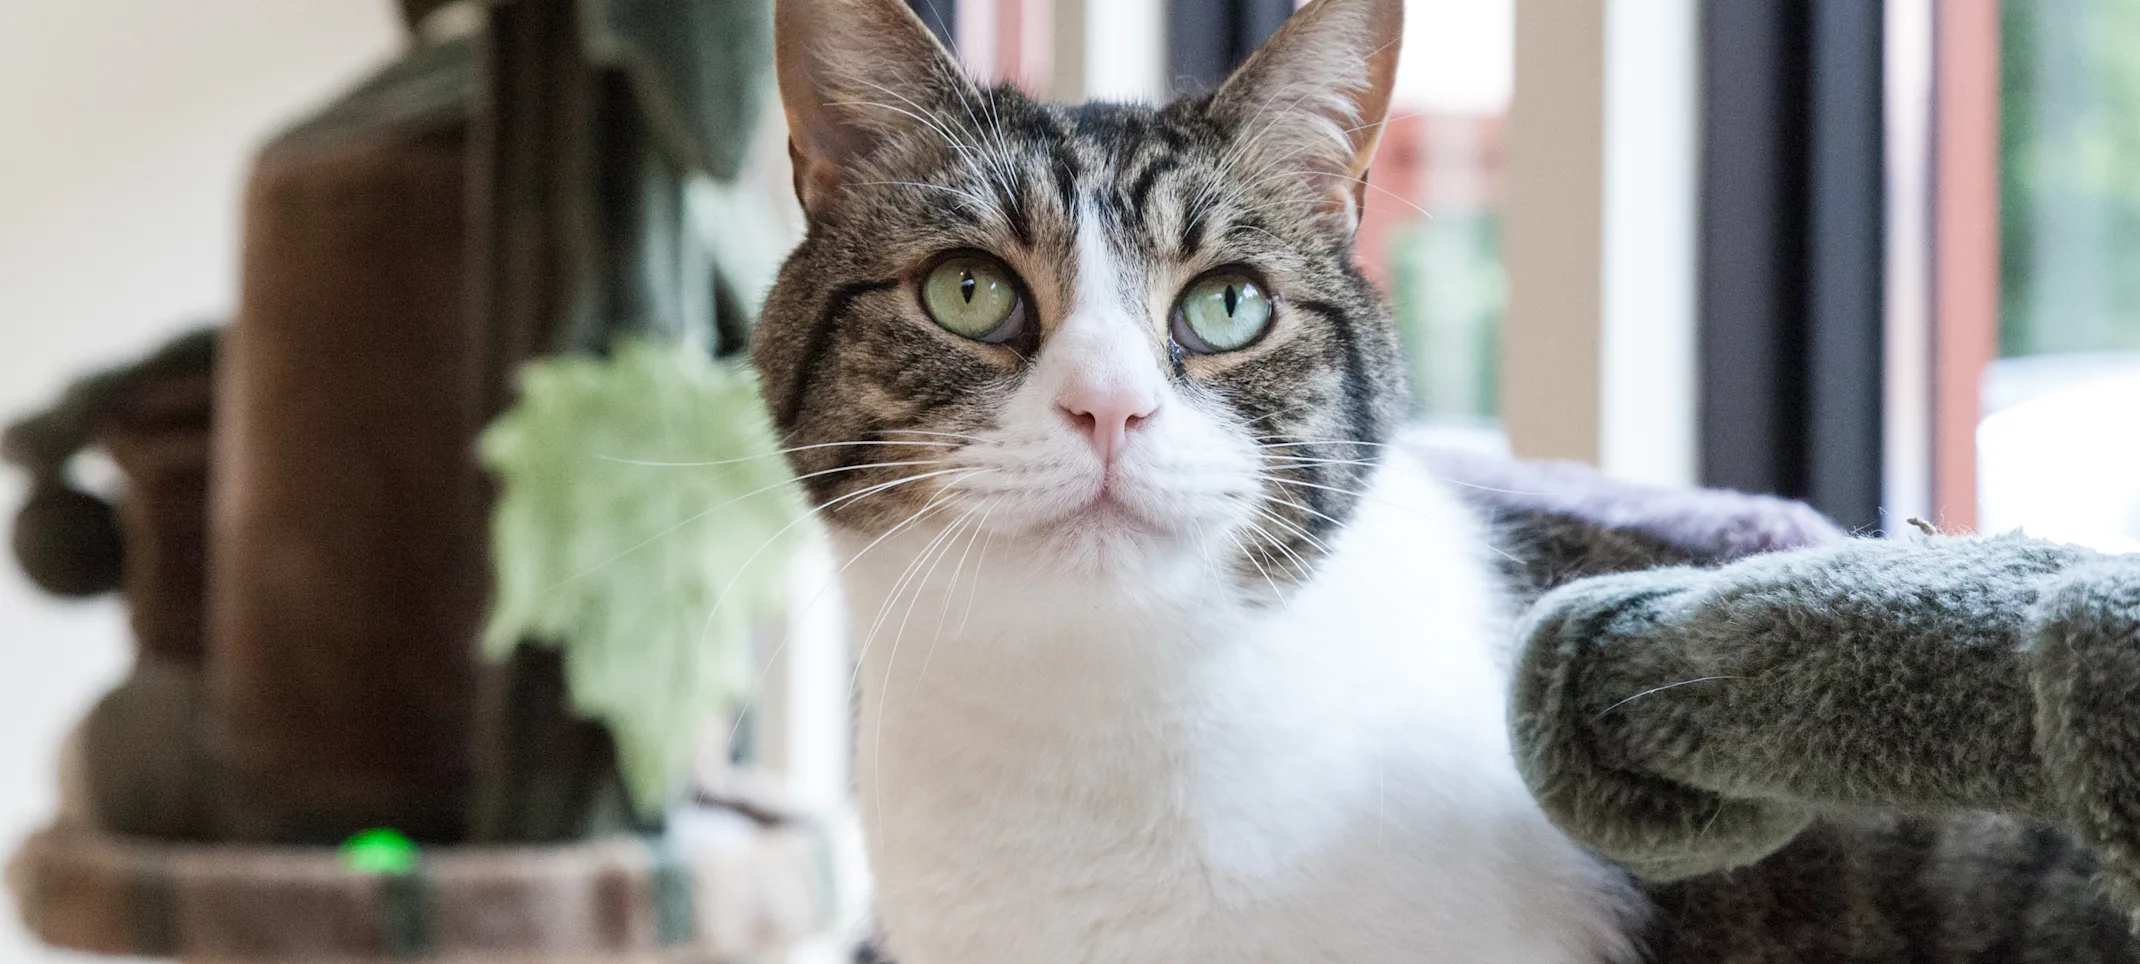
1813, 748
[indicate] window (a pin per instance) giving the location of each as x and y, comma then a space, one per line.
1431, 235
2056, 452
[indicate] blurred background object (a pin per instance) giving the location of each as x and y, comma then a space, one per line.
306, 540
1868, 255
131, 126
2055, 448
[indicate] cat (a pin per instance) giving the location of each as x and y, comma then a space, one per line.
1160, 658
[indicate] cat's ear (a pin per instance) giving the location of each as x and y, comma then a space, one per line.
1312, 100
853, 73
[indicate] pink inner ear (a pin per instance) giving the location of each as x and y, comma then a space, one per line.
1330, 70
850, 71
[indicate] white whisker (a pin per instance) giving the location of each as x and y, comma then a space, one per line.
1291, 526
751, 694
1303, 461
980, 565
1658, 689
944, 613
1300, 567
1321, 441
908, 580
916, 431
1250, 555
1303, 508
760, 458
722, 597
970, 197
709, 510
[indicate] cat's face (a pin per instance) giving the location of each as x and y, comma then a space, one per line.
1113, 336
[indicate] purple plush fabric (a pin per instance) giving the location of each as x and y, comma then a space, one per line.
1561, 521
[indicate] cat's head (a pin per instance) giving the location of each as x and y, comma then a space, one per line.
1117, 336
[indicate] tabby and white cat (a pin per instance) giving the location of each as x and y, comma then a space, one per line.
1162, 660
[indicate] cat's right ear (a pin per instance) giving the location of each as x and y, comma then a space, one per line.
1311, 102
852, 74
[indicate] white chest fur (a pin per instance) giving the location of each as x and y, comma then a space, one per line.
1149, 773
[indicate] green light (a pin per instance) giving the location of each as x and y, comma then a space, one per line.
380, 851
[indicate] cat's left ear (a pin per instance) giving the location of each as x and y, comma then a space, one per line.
1312, 100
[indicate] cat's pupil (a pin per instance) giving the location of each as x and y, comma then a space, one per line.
1233, 298
966, 286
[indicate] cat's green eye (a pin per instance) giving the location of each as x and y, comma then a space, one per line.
1221, 311
974, 296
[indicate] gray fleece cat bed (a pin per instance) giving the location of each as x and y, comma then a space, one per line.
1812, 748
1953, 720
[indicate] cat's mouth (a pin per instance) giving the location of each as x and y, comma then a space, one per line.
1113, 512
1108, 513
1106, 509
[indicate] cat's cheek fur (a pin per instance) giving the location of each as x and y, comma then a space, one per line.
1167, 774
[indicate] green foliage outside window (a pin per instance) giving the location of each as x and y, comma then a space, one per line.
2070, 176
1449, 290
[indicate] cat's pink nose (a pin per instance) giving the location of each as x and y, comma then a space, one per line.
1107, 417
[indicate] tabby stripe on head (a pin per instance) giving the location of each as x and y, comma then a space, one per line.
1359, 391
1066, 177
1192, 236
820, 339
1140, 190
1014, 211
1248, 225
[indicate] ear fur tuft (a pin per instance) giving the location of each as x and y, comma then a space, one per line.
853, 73
1314, 97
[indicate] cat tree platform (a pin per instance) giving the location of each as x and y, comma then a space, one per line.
719, 888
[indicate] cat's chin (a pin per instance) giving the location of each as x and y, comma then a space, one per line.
1109, 537
1104, 519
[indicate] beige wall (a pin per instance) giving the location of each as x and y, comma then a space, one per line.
1556, 148
1599, 343
125, 129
